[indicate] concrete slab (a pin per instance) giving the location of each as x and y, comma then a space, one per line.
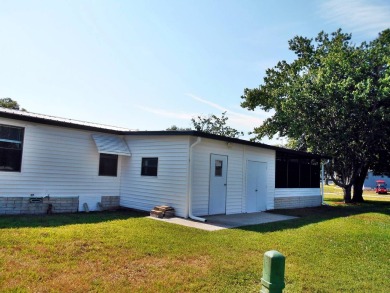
219, 222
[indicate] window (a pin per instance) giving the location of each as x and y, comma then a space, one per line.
149, 166
315, 174
11, 148
218, 168
305, 173
293, 173
296, 171
281, 172
108, 165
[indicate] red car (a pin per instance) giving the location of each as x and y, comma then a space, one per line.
381, 187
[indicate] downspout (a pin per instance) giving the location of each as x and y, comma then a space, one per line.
189, 186
323, 181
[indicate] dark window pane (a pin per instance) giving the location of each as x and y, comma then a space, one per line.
11, 133
11, 147
305, 173
218, 168
296, 171
10, 160
108, 165
293, 173
281, 173
149, 166
315, 174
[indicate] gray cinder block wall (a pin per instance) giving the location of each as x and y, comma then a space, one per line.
110, 202
297, 202
43, 205
38, 205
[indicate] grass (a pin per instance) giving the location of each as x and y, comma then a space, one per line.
334, 248
334, 192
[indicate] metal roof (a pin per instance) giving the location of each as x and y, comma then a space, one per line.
58, 121
226, 139
77, 124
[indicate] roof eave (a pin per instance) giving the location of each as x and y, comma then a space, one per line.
59, 123
194, 133
226, 139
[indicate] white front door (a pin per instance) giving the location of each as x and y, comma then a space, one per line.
256, 187
218, 175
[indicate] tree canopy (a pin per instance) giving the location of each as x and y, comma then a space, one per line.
10, 104
215, 125
177, 128
334, 99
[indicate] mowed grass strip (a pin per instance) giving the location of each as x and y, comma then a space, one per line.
334, 192
335, 248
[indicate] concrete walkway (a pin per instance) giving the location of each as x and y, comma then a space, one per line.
220, 222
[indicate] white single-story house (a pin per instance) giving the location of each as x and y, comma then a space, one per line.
72, 165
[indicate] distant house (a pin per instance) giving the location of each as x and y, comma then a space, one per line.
370, 181
51, 164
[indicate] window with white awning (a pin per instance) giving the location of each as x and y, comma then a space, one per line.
111, 144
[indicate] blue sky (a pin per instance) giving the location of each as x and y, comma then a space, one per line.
148, 65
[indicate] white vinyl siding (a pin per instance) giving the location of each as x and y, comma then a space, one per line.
169, 187
236, 189
58, 161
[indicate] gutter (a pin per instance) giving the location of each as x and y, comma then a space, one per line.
189, 186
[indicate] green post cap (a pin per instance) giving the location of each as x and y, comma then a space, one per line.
273, 272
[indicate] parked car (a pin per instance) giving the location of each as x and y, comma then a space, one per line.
381, 187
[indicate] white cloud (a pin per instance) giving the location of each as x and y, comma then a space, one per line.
169, 114
363, 17
214, 105
238, 119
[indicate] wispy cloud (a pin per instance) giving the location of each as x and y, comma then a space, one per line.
238, 119
168, 114
204, 101
363, 17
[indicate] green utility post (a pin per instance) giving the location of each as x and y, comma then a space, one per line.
273, 272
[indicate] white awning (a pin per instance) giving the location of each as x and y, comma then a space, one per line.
111, 144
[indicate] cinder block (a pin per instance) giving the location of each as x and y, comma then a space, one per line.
297, 202
22, 205
156, 214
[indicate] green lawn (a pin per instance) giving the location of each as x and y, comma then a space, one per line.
335, 248
333, 192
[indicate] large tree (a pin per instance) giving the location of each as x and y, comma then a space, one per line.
9, 103
215, 125
334, 97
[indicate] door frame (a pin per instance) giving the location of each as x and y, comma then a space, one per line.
258, 195
224, 170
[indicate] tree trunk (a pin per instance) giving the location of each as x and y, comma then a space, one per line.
358, 191
358, 185
326, 180
347, 194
